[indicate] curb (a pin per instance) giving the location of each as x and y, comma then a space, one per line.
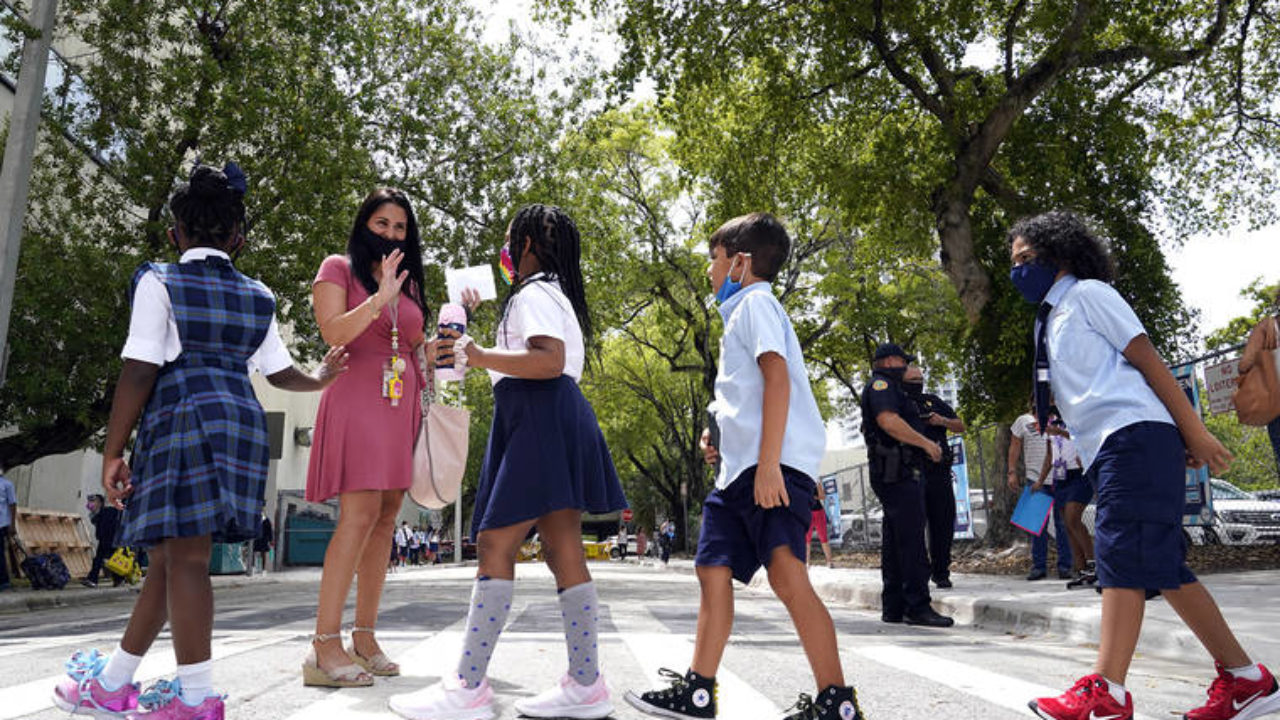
23, 601
1078, 622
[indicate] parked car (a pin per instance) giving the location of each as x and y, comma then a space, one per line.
1239, 518
1272, 494
858, 530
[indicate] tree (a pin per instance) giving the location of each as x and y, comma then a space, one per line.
318, 101
957, 117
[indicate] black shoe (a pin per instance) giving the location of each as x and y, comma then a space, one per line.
1064, 575
890, 618
942, 583
89, 583
834, 703
1037, 575
690, 696
929, 618
1085, 579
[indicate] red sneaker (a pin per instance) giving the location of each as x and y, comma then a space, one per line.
1233, 698
1088, 699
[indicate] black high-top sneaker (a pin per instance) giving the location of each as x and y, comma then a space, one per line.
834, 703
688, 696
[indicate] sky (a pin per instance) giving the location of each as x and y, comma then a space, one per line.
1211, 270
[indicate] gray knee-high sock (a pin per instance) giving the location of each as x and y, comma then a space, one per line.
490, 603
578, 607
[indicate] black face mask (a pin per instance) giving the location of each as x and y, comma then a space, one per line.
380, 246
913, 389
894, 374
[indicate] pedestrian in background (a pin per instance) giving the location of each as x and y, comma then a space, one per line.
897, 451
1074, 493
106, 527
1032, 444
265, 541
817, 524
1136, 432
8, 513
937, 419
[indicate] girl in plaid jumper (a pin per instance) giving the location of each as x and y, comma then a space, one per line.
199, 464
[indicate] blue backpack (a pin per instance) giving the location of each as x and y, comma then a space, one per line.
46, 571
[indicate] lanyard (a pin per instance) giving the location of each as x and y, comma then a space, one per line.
392, 384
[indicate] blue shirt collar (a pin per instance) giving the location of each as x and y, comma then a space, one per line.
1060, 288
727, 307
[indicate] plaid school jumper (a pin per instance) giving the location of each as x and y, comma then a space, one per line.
200, 459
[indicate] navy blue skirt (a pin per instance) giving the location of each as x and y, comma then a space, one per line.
545, 453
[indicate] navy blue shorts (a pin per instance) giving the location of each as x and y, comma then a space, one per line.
1140, 474
1074, 489
740, 535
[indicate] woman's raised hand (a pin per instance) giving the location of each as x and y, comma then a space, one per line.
391, 279
470, 299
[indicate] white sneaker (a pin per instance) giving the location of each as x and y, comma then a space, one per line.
569, 700
449, 699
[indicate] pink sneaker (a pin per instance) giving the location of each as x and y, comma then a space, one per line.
568, 699
449, 699
82, 693
163, 701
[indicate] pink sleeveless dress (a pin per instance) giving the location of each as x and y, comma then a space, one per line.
361, 442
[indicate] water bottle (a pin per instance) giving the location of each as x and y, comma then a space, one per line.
452, 317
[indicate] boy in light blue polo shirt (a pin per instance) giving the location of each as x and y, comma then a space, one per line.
1136, 432
771, 441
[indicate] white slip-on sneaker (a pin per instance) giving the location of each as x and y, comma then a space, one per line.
568, 699
449, 699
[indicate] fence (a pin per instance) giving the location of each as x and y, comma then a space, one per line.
862, 517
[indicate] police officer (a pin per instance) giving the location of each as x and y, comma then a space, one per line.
937, 418
897, 450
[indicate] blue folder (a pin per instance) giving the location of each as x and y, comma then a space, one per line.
1032, 511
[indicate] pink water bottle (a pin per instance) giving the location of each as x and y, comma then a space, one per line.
452, 317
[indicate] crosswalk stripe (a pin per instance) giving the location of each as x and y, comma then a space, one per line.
997, 689
736, 698
36, 695
429, 659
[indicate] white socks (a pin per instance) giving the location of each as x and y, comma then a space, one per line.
120, 669
197, 681
1117, 691
1249, 672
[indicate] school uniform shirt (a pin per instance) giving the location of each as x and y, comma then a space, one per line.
1097, 390
1065, 456
754, 324
153, 330
8, 496
1034, 446
541, 309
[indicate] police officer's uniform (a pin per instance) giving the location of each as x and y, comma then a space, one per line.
897, 478
939, 493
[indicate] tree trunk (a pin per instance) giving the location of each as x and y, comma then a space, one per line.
955, 231
1000, 533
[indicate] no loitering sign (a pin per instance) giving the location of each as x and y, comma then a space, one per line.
1221, 380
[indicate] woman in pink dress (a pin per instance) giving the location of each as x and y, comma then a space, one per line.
371, 301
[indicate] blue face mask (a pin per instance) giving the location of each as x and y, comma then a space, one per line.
730, 285
1033, 279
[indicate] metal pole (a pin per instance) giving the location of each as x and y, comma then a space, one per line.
19, 152
457, 530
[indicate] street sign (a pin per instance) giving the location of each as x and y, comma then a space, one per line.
1199, 506
1221, 380
627, 514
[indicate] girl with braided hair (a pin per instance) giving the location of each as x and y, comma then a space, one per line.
198, 469
546, 463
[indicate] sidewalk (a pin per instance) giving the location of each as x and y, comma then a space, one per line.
1009, 604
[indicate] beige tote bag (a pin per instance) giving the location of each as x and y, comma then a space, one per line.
440, 453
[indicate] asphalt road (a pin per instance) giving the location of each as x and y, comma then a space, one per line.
648, 621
